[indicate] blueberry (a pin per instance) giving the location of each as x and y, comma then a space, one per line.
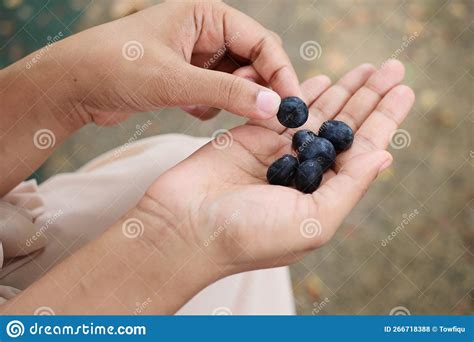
338, 133
282, 170
293, 112
319, 149
308, 176
302, 138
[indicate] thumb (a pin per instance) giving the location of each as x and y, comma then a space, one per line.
339, 195
232, 93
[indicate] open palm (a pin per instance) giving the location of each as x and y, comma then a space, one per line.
218, 199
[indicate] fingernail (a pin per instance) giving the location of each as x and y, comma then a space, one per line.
268, 102
189, 108
385, 165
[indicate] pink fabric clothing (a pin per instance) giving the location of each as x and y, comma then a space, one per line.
21, 239
40, 226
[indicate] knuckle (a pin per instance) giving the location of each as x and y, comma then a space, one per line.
375, 88
324, 79
366, 142
279, 70
318, 241
360, 186
276, 37
229, 90
266, 42
390, 115
172, 86
349, 119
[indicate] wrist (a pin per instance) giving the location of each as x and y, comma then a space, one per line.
140, 265
173, 267
43, 88
34, 119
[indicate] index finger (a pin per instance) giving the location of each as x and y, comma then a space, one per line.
250, 40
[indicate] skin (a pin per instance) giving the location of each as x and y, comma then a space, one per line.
86, 79
225, 187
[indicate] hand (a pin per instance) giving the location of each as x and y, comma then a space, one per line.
223, 192
214, 214
171, 54
192, 54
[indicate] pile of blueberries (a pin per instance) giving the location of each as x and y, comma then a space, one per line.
315, 153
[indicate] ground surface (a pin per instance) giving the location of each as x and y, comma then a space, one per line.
427, 268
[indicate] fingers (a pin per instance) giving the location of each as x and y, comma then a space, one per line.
204, 112
209, 61
334, 200
331, 102
358, 108
246, 40
276, 36
376, 131
311, 89
221, 90
251, 74
263, 49
388, 115
201, 111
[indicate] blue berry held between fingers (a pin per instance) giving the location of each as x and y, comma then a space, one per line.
301, 139
338, 133
293, 112
308, 176
282, 170
319, 149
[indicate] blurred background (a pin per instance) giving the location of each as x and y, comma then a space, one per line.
408, 248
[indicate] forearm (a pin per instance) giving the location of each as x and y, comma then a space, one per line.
118, 271
35, 117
